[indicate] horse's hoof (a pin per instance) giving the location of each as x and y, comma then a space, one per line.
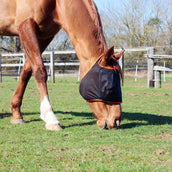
102, 124
18, 121
54, 127
113, 125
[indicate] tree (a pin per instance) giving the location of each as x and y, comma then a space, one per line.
125, 23
6, 44
137, 23
60, 42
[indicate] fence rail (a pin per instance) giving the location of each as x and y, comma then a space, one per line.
51, 63
154, 72
159, 56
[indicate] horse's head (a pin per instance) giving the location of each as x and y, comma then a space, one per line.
102, 89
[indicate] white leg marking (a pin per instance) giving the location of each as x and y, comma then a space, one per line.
47, 113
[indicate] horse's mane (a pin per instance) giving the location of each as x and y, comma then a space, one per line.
93, 11
98, 33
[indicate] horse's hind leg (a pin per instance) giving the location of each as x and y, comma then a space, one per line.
28, 32
18, 95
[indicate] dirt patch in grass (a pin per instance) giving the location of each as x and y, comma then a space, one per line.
161, 152
158, 95
169, 160
131, 94
163, 135
107, 148
164, 95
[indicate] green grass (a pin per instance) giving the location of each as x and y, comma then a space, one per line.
142, 143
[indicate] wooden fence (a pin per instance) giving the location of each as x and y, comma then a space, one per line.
154, 71
52, 63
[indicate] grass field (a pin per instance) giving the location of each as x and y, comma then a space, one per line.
142, 143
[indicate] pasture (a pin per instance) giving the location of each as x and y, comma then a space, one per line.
142, 143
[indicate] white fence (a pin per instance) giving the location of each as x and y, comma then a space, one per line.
51, 63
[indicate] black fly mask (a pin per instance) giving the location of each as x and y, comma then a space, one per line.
101, 84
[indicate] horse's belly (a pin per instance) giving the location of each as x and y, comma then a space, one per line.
7, 17
7, 27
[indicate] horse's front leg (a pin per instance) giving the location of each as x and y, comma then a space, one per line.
29, 35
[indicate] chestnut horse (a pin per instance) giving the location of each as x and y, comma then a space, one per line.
36, 22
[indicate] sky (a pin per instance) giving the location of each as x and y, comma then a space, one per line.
115, 4
101, 4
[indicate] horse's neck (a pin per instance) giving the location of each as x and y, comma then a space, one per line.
82, 23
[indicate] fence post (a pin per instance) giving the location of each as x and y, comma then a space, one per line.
24, 58
121, 63
52, 67
137, 63
150, 62
0, 70
157, 79
164, 72
79, 74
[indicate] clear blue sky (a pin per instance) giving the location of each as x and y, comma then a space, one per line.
116, 3
101, 4
166, 5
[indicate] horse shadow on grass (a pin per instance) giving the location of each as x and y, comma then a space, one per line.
7, 115
70, 115
141, 119
133, 119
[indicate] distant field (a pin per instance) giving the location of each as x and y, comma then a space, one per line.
142, 143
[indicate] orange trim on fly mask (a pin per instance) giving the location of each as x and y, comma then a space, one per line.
100, 100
